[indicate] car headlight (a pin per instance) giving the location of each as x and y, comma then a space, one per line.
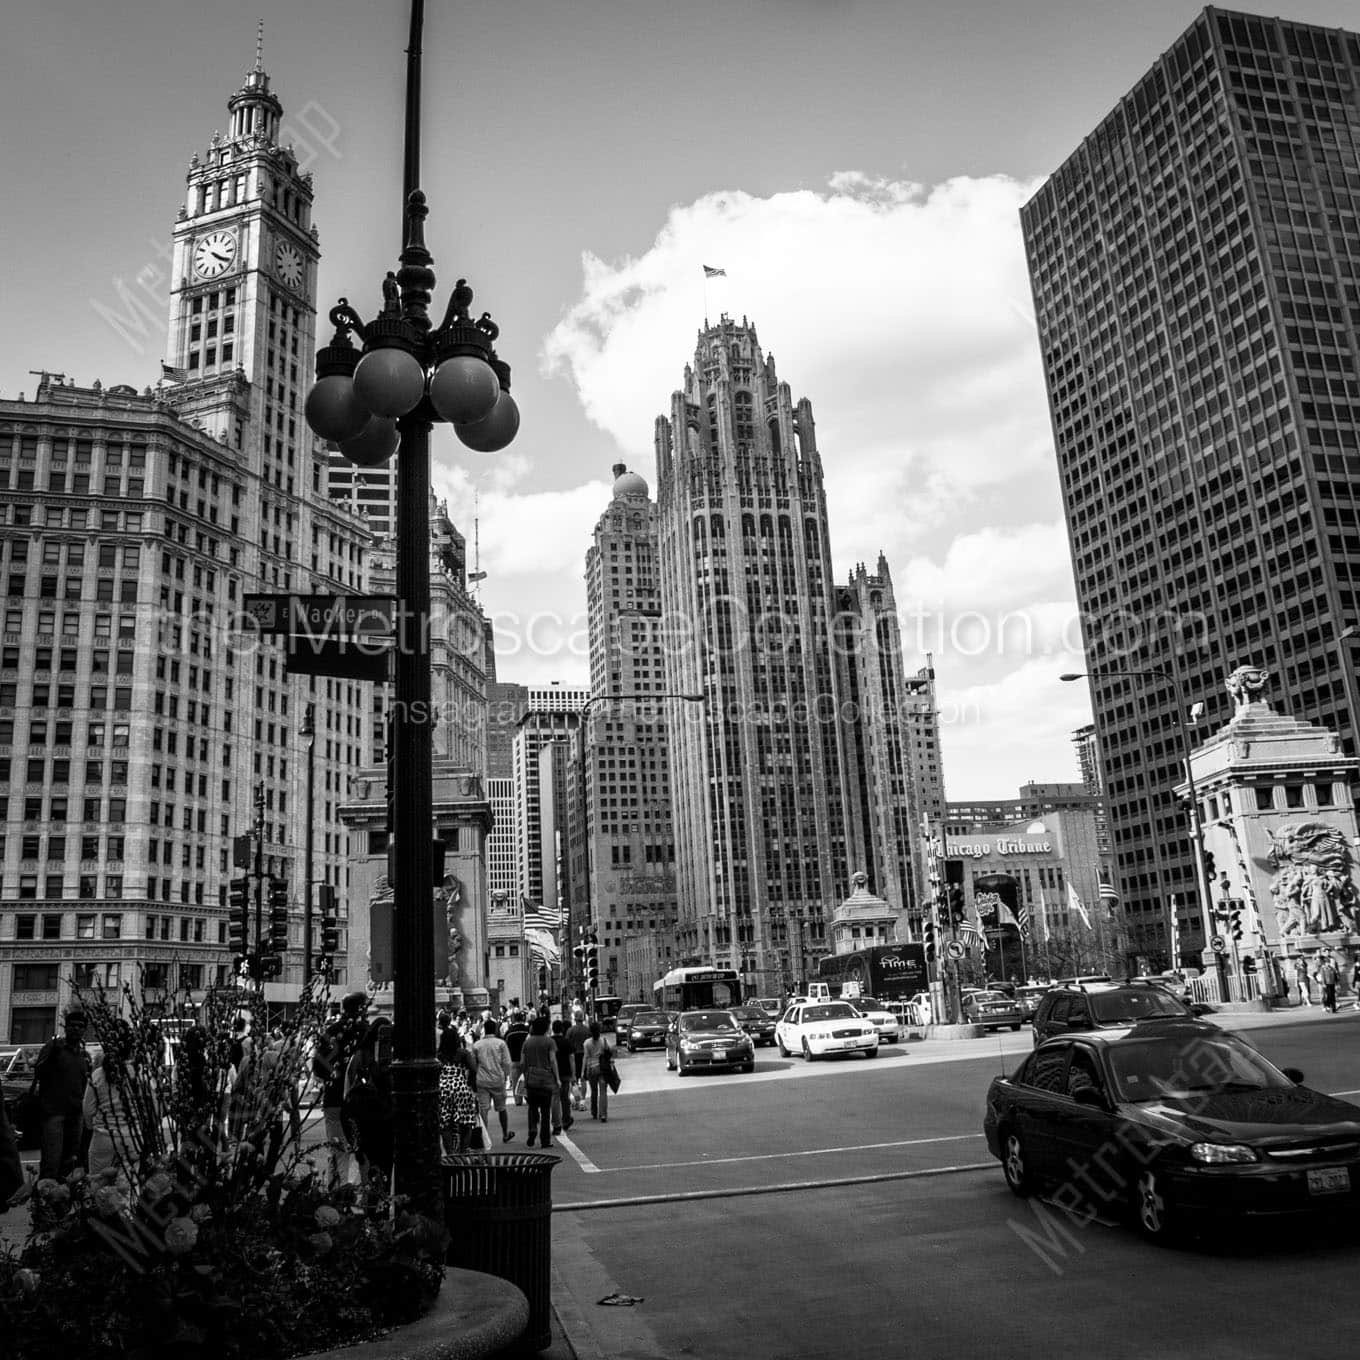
1215, 1154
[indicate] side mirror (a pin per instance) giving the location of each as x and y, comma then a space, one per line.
1201, 1008
1293, 1074
1088, 1095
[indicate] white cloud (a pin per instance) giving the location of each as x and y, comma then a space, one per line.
903, 312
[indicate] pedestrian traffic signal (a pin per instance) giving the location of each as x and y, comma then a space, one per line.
278, 914
271, 966
238, 917
330, 919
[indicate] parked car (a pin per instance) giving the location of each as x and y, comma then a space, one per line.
624, 1017
883, 1020
1107, 1005
708, 1039
818, 1028
992, 1010
757, 1022
1183, 1125
646, 1029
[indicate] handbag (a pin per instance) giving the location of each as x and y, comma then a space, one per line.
612, 1076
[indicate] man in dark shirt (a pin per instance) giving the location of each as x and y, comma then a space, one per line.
62, 1072
337, 1046
576, 1037
561, 1106
514, 1036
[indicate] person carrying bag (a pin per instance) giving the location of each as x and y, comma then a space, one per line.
609, 1070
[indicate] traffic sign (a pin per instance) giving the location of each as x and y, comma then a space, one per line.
954, 949
267, 613
1218, 944
344, 615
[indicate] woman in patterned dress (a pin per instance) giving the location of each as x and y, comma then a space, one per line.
457, 1100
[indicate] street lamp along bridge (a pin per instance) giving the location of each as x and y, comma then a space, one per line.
372, 405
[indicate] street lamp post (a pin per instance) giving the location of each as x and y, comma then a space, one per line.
1196, 836
308, 733
581, 789
373, 405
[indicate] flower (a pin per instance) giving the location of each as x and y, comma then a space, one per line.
326, 1217
201, 1213
321, 1243
157, 1187
180, 1236
53, 1193
109, 1201
27, 1281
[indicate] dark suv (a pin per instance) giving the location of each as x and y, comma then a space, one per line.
1106, 1005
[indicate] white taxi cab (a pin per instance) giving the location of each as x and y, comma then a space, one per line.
817, 1029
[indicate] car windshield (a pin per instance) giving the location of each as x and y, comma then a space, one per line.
1133, 1004
866, 1003
989, 996
837, 1010
707, 1020
1153, 1069
749, 1013
648, 1018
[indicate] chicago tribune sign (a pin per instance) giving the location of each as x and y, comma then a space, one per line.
981, 849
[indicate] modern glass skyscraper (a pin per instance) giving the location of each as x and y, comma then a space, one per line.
1196, 275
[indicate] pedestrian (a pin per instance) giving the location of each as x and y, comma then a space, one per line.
596, 1079
1327, 977
561, 1107
60, 1075
368, 1104
493, 1067
457, 1099
542, 1079
11, 1168
334, 1050
577, 1036
515, 1035
1301, 978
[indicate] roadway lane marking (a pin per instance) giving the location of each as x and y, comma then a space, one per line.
772, 1156
576, 1154
783, 1187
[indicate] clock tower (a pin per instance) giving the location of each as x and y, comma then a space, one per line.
243, 288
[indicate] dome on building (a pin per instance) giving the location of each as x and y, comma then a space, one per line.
628, 483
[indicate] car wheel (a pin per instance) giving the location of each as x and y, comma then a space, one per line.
1015, 1029
783, 1052
748, 1067
1015, 1165
1153, 1210
807, 1052
871, 1052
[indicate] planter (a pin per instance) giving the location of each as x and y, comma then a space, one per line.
475, 1315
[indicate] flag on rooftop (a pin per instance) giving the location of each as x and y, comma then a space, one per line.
711, 273
1074, 903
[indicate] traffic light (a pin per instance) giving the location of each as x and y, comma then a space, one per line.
928, 935
278, 914
330, 919
238, 917
956, 907
271, 966
592, 964
1209, 865
1234, 906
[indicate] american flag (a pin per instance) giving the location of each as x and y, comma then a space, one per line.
539, 917
711, 273
1109, 895
1023, 921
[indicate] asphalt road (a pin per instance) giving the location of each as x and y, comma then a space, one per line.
849, 1209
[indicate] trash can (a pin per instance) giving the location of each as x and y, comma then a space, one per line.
498, 1207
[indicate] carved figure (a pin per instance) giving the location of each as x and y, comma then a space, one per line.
1313, 889
1247, 685
391, 295
859, 881
451, 894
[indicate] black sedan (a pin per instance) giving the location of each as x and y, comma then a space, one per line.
757, 1022
647, 1029
1175, 1123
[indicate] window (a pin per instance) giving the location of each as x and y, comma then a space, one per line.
35, 977
24, 926
85, 926
51, 927
1265, 798
1044, 1070
113, 924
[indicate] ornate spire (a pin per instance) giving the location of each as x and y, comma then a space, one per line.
259, 49
255, 110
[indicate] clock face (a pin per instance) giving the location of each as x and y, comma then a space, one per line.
288, 261
214, 253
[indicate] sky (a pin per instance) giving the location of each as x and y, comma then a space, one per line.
855, 166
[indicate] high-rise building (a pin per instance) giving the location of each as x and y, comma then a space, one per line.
545, 751
630, 886
767, 812
1088, 758
1196, 277
140, 729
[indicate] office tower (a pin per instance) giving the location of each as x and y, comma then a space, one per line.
138, 724
1194, 269
759, 784
545, 752
506, 705
1088, 758
885, 736
629, 879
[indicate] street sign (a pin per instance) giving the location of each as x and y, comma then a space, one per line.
1218, 944
321, 616
336, 658
954, 949
344, 615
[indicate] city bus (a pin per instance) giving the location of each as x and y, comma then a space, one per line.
698, 989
